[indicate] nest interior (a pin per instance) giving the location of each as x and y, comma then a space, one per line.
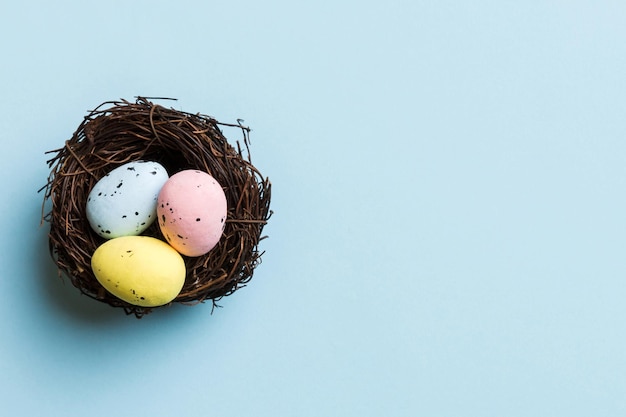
117, 132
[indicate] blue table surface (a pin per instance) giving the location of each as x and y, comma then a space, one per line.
448, 188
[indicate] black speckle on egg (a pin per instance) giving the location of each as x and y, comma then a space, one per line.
143, 223
198, 219
163, 217
124, 216
180, 236
162, 205
108, 232
120, 184
136, 213
100, 193
153, 172
142, 298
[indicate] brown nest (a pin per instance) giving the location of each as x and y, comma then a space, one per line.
126, 131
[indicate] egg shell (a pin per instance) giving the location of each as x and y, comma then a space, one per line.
140, 270
192, 212
123, 202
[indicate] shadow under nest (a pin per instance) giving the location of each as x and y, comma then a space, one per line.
117, 132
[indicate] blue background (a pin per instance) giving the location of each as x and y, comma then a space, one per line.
449, 229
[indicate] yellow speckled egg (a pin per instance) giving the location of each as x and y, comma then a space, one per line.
140, 270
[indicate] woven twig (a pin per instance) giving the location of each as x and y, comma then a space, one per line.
117, 132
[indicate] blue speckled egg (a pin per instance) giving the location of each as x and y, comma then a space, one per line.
123, 202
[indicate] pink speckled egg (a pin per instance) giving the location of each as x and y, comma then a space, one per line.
191, 209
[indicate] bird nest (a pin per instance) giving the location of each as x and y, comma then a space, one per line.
117, 132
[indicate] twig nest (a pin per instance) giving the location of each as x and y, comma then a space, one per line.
120, 132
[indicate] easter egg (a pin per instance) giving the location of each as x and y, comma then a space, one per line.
192, 212
140, 270
123, 202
